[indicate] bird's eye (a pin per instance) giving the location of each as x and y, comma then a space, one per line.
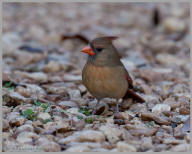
99, 49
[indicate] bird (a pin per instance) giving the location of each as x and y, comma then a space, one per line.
104, 75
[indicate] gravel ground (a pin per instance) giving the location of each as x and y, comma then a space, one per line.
45, 105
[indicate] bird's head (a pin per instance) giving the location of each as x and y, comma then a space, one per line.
101, 51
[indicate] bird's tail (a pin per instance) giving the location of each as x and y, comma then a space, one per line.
132, 94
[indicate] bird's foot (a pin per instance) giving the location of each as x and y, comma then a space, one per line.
99, 110
93, 112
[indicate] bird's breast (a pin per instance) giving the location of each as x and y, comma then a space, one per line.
104, 82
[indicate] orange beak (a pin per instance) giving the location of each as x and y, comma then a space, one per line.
88, 50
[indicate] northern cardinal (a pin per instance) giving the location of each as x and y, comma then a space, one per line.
104, 75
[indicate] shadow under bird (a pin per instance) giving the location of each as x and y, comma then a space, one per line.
104, 75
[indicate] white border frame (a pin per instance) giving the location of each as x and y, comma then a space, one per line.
92, 1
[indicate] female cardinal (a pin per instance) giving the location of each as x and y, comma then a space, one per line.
104, 75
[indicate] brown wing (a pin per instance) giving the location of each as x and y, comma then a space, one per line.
130, 93
129, 80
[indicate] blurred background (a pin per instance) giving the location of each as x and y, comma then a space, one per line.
143, 28
42, 62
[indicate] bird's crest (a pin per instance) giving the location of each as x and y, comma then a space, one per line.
104, 39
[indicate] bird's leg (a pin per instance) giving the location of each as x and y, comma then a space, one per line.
117, 106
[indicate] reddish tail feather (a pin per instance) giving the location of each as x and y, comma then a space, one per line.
132, 94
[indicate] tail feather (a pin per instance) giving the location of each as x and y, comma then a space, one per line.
132, 94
